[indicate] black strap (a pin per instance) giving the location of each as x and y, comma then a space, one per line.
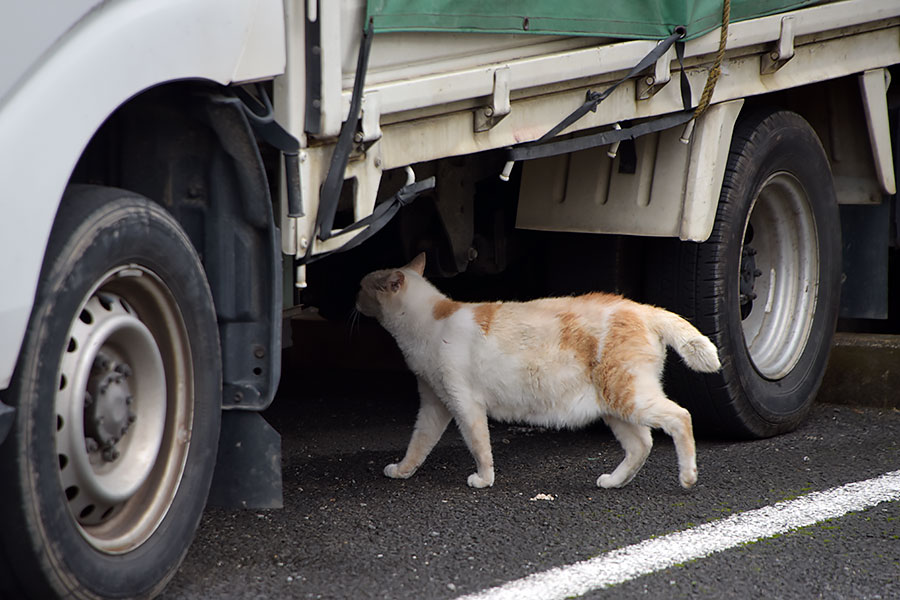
261, 116
529, 152
595, 98
331, 189
543, 147
334, 179
686, 99
383, 213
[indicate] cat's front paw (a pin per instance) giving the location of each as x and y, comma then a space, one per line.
393, 471
606, 481
477, 481
688, 477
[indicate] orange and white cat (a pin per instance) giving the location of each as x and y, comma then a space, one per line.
554, 362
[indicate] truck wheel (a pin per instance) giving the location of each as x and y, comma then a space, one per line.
765, 287
117, 395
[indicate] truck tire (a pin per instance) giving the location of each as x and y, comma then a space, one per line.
117, 395
764, 287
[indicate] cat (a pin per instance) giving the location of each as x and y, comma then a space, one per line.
553, 362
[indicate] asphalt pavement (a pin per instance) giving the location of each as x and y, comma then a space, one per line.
346, 531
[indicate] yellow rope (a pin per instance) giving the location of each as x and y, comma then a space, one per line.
717, 65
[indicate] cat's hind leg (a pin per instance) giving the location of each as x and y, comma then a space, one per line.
636, 440
431, 422
675, 421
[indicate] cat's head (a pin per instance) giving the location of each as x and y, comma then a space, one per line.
380, 290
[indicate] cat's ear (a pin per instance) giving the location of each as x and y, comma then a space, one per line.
417, 264
395, 281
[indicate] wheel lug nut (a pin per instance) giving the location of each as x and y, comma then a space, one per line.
747, 298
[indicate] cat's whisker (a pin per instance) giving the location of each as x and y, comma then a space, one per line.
353, 322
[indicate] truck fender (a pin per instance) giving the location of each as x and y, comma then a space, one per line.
706, 169
115, 52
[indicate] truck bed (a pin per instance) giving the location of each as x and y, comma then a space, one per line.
425, 90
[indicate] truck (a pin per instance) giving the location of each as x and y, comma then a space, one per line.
186, 177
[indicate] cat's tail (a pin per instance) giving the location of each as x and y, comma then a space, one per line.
697, 351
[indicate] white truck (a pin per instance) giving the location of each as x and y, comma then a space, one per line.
183, 175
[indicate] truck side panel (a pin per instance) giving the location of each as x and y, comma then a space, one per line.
411, 117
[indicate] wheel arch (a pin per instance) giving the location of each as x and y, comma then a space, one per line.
189, 147
848, 114
840, 111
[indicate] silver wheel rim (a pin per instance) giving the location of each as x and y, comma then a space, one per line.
124, 409
779, 276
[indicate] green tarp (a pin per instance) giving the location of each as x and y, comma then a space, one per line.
629, 19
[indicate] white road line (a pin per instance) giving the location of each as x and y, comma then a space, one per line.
657, 554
